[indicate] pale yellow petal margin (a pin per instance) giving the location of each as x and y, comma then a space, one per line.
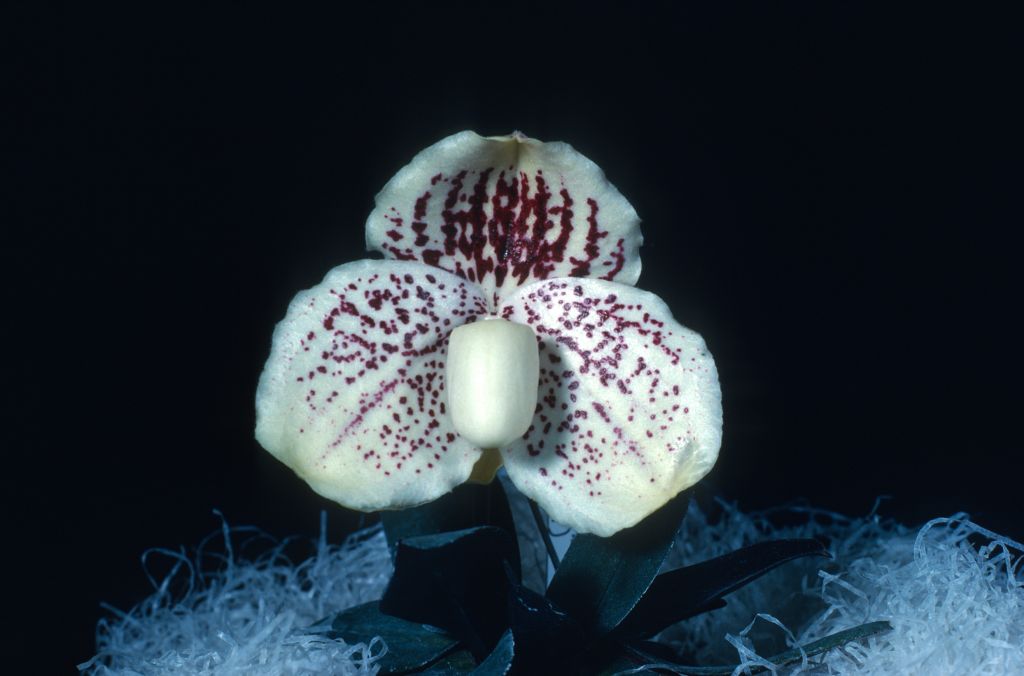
506, 211
629, 406
353, 396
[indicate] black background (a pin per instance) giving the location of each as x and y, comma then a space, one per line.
830, 195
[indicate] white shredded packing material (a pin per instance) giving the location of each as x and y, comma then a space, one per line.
952, 590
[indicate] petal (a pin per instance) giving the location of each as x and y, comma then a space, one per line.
506, 211
629, 410
353, 396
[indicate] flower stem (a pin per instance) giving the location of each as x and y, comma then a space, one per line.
545, 534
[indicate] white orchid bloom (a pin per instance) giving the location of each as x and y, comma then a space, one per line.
385, 387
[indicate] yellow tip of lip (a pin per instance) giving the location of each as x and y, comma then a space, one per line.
486, 467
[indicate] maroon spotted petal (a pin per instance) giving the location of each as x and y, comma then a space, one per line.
629, 409
507, 211
353, 396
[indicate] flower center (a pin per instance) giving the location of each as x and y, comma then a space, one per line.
492, 374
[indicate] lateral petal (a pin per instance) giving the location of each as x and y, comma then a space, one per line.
629, 409
353, 397
506, 211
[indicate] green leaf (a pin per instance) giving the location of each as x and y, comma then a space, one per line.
456, 581
685, 592
547, 638
499, 661
459, 662
600, 579
411, 646
467, 506
621, 663
822, 645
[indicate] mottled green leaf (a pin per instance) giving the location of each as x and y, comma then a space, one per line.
456, 581
685, 592
456, 664
621, 663
468, 506
499, 661
840, 638
411, 645
547, 638
600, 579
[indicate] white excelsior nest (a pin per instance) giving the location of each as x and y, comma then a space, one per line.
951, 589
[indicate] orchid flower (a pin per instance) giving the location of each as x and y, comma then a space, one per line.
502, 328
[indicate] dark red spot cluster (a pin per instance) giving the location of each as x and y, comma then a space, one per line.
503, 227
615, 383
376, 369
